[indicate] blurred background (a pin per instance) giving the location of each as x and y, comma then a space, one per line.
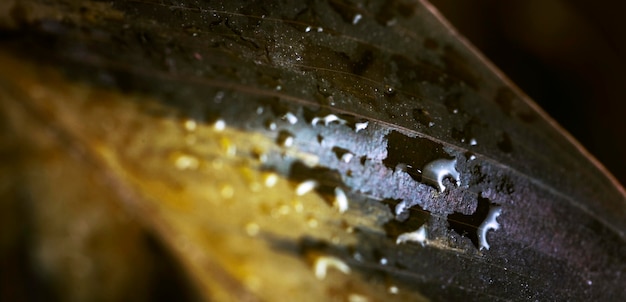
568, 56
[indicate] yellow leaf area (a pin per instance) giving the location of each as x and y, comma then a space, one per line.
99, 161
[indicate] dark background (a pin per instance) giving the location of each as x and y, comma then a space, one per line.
569, 56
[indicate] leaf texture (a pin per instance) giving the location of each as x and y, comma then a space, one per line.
317, 150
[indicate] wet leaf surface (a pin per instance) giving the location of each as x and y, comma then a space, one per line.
286, 151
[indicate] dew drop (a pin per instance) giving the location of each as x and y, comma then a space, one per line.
319, 29
437, 170
389, 90
418, 236
472, 157
356, 19
589, 282
490, 223
331, 118
305, 187
323, 263
291, 118
393, 290
473, 142
360, 126
307, 29
270, 180
347, 157
260, 110
219, 125
341, 200
285, 138
383, 261
186, 162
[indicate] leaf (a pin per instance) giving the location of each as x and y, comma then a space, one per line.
288, 151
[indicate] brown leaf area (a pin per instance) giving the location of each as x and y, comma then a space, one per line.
278, 152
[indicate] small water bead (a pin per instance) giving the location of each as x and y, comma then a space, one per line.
472, 157
186, 162
291, 118
307, 29
490, 223
437, 170
319, 29
473, 142
305, 187
285, 139
219, 125
383, 261
356, 19
270, 180
360, 126
347, 157
341, 200
418, 236
393, 290
327, 120
324, 263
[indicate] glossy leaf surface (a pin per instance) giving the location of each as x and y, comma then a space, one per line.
262, 142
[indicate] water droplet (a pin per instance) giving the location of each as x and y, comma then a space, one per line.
383, 261
589, 282
360, 126
418, 236
323, 263
331, 118
227, 191
356, 19
270, 180
437, 170
490, 223
393, 290
307, 29
260, 110
278, 87
284, 138
389, 90
252, 229
473, 142
305, 187
190, 125
341, 200
186, 162
219, 125
291, 118
319, 29
472, 157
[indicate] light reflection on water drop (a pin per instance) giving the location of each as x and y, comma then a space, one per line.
393, 290
360, 126
186, 162
341, 200
437, 170
219, 125
305, 187
418, 236
331, 118
324, 263
490, 223
356, 19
